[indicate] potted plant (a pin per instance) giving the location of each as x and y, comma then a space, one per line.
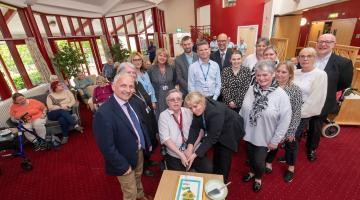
119, 53
68, 60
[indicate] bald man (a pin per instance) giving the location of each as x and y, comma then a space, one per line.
223, 55
339, 71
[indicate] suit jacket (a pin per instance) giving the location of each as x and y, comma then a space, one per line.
217, 58
142, 100
340, 72
223, 125
182, 67
116, 137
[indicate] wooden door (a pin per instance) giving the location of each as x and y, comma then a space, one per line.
343, 29
316, 30
249, 34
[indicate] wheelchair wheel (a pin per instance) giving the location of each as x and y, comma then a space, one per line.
331, 130
26, 165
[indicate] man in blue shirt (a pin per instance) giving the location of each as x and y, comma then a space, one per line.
108, 69
204, 75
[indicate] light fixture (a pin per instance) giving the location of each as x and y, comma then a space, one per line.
52, 23
303, 21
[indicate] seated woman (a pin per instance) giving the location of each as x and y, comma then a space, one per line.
59, 103
82, 84
235, 81
101, 93
267, 112
35, 119
223, 130
54, 78
174, 125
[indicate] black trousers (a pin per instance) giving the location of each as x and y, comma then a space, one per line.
314, 133
291, 148
222, 160
256, 156
200, 164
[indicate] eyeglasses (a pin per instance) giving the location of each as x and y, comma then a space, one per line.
325, 42
306, 56
137, 60
172, 100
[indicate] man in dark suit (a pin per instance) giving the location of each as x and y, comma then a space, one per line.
339, 71
223, 55
122, 137
182, 63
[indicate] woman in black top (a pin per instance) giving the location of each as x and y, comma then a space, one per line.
222, 127
235, 81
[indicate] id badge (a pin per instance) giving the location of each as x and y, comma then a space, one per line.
206, 89
165, 87
148, 109
182, 147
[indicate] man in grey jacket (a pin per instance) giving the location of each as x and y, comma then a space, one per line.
182, 63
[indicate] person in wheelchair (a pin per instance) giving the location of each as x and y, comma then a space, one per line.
35, 118
174, 125
60, 102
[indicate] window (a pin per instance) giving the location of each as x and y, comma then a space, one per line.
86, 25
101, 50
39, 24
66, 25
149, 21
119, 25
29, 64
97, 26
54, 27
229, 3
130, 24
10, 66
15, 27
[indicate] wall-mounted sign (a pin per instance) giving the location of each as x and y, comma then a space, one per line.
333, 15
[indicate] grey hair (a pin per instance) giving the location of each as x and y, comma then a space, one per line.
265, 65
264, 40
122, 66
174, 91
120, 75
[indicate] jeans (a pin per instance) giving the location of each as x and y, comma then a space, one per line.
65, 119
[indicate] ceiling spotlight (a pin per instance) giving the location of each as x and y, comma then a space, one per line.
303, 21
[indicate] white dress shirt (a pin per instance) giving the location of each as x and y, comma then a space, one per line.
321, 63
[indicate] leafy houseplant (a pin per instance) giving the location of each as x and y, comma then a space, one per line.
119, 53
68, 60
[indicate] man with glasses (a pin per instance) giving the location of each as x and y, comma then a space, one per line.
223, 55
339, 71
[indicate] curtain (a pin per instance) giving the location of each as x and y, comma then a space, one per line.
51, 55
38, 59
105, 47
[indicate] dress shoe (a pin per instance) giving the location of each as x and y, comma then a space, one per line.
148, 172
256, 186
146, 197
288, 176
248, 177
268, 170
311, 155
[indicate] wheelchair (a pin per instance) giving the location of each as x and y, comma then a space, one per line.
332, 129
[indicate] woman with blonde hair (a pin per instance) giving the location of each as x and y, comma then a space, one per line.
137, 60
284, 75
163, 78
223, 129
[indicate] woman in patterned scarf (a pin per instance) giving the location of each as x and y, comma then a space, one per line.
267, 112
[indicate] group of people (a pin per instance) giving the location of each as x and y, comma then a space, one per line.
35, 114
212, 100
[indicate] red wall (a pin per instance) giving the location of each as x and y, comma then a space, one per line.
348, 9
226, 20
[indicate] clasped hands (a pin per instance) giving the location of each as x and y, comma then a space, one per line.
187, 157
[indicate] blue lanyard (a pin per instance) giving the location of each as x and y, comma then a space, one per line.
204, 124
207, 73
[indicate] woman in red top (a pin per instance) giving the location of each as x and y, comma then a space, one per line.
101, 93
35, 119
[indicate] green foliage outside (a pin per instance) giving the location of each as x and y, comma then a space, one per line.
34, 77
69, 60
119, 53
